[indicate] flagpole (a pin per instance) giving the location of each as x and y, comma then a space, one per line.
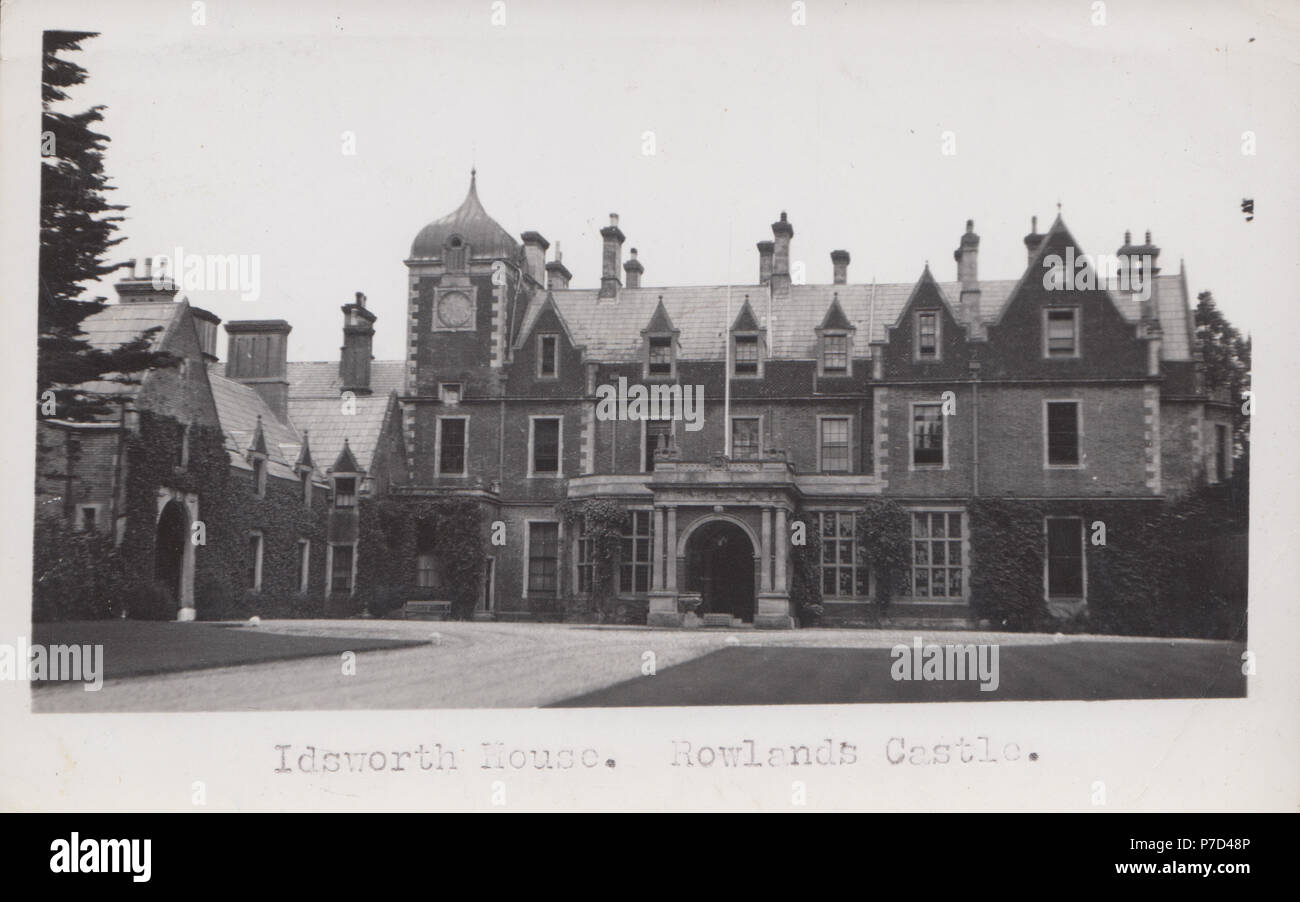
726, 332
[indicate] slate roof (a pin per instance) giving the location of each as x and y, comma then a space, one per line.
117, 324
239, 406
314, 404
611, 330
315, 407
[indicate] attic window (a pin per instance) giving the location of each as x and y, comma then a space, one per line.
927, 335
345, 492
660, 360
259, 476
306, 487
835, 353
1061, 332
548, 356
746, 356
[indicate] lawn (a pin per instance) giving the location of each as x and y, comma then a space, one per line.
141, 648
1090, 670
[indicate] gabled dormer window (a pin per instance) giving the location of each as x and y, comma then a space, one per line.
927, 335
305, 477
345, 492
835, 353
548, 356
745, 356
661, 358
259, 476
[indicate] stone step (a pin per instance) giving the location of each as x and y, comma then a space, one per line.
718, 620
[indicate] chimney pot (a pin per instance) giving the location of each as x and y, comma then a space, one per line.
634, 269
1033, 240
840, 266
557, 274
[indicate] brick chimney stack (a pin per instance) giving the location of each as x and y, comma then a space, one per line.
257, 356
782, 232
967, 257
613, 255
634, 269
535, 255
206, 324
765, 250
1133, 261
557, 274
358, 340
840, 265
147, 284
1033, 239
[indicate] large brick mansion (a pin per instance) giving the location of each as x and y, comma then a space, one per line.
815, 399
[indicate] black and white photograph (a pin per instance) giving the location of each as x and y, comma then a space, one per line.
805, 369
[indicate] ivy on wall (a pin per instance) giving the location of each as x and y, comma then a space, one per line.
604, 522
229, 510
1152, 568
388, 547
806, 571
884, 532
76, 575
1006, 546
120, 575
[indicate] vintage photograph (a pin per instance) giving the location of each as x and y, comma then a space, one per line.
454, 356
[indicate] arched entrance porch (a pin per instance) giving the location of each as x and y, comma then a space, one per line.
720, 563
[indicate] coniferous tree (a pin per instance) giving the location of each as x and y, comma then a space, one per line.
77, 231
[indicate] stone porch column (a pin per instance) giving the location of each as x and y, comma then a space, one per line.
782, 539
670, 557
765, 554
657, 568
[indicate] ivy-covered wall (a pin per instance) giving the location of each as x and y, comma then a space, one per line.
1168, 569
229, 510
390, 530
121, 575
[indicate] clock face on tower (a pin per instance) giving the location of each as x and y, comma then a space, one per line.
454, 310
